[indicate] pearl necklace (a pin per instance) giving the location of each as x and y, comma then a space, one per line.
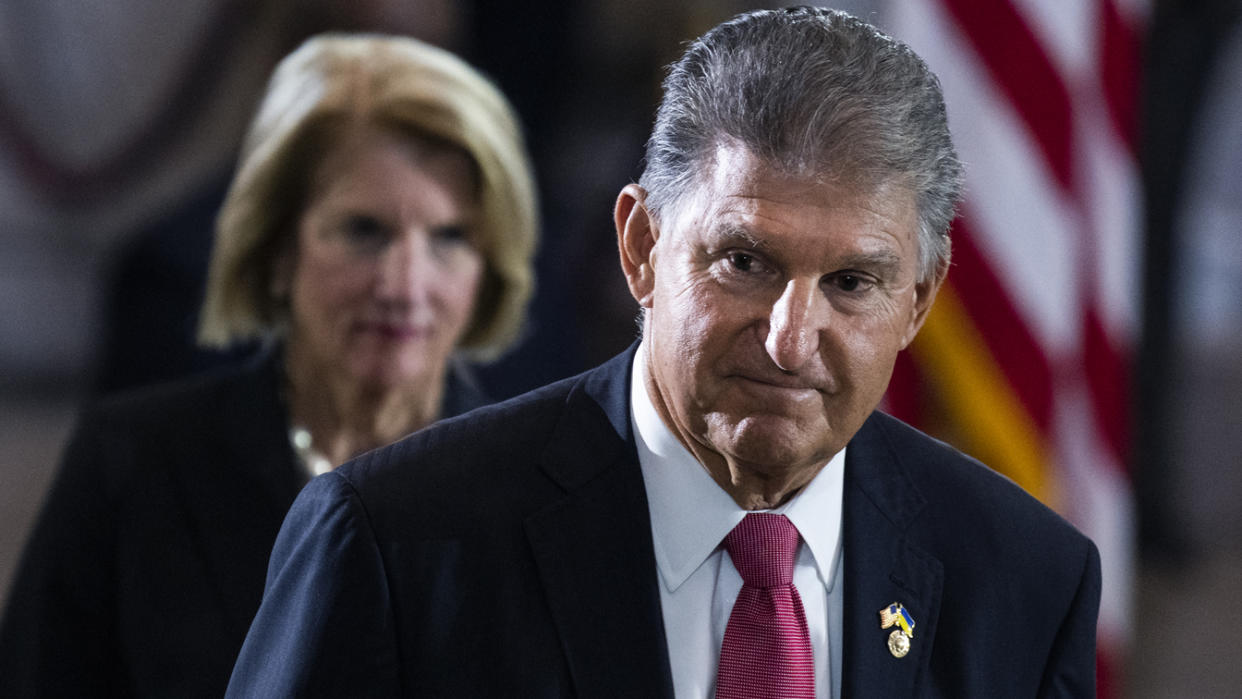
312, 460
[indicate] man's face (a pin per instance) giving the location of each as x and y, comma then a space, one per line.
776, 307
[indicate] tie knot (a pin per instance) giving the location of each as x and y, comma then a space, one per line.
763, 547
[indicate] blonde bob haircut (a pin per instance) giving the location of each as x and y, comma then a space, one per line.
330, 85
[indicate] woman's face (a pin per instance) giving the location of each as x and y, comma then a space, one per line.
383, 280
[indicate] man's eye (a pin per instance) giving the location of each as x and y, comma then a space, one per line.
741, 261
849, 282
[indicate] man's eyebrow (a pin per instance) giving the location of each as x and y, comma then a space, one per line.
881, 259
728, 234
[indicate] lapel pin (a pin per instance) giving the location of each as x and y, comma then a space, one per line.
899, 640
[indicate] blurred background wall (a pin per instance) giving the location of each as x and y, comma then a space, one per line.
1088, 344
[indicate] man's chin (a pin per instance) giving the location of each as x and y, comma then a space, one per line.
774, 445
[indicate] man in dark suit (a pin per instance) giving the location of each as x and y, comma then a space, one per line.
720, 510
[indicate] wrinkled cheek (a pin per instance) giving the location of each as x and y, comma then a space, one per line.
869, 375
689, 345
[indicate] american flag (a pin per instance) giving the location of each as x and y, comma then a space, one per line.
1024, 361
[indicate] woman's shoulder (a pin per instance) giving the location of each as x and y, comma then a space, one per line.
238, 385
185, 436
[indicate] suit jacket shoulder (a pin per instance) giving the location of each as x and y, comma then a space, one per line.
958, 489
460, 461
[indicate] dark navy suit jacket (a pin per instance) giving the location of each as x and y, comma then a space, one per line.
508, 552
147, 563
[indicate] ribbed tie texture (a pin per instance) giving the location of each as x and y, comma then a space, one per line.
767, 649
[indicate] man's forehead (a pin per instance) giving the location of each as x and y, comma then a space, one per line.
736, 182
734, 170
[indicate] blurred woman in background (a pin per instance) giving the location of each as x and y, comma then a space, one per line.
378, 234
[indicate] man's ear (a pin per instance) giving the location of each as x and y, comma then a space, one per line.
924, 295
636, 237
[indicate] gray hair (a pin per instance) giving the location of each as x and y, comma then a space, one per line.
813, 92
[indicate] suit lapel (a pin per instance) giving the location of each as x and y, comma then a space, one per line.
593, 548
882, 567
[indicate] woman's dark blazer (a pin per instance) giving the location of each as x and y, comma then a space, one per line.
148, 560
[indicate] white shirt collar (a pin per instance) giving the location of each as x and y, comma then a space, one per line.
690, 514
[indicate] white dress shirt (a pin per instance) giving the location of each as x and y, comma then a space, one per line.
690, 516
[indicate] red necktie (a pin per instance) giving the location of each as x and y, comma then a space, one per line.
767, 649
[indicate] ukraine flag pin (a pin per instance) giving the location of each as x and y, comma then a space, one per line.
899, 640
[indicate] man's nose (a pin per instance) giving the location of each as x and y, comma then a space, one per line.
405, 268
794, 325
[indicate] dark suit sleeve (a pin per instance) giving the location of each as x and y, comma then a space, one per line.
325, 627
1071, 665
59, 634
